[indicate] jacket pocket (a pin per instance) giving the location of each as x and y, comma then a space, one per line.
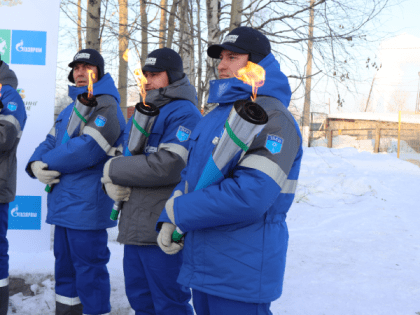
237, 250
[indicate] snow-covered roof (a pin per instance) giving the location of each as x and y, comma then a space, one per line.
391, 117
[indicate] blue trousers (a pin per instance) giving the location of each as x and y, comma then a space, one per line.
206, 304
81, 275
150, 281
4, 244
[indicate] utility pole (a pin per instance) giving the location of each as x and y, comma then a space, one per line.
329, 106
418, 97
367, 102
307, 103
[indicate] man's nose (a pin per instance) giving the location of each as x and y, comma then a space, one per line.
222, 65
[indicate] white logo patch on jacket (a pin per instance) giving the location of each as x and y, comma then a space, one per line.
150, 149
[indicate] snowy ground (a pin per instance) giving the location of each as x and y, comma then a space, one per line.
354, 242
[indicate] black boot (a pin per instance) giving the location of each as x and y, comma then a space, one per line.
4, 300
63, 309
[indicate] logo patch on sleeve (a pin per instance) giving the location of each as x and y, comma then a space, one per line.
12, 106
274, 144
183, 134
100, 121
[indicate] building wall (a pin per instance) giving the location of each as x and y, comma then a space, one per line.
366, 129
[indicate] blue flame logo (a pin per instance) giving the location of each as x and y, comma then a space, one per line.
183, 134
274, 144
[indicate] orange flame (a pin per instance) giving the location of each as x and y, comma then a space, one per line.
253, 75
90, 86
125, 56
0, 88
141, 83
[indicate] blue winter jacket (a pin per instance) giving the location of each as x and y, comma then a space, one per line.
78, 201
236, 234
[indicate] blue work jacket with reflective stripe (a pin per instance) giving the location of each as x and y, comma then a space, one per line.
236, 235
78, 201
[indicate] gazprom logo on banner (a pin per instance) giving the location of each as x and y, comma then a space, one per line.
274, 144
5, 43
25, 213
28, 47
183, 134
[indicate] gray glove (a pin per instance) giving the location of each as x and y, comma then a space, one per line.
115, 192
164, 239
44, 176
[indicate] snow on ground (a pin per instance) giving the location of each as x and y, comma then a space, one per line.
354, 242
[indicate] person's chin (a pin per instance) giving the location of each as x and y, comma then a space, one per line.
224, 77
80, 84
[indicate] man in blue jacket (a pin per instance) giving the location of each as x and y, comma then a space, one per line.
12, 122
77, 205
145, 182
236, 235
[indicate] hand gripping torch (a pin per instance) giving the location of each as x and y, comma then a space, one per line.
245, 122
82, 109
144, 117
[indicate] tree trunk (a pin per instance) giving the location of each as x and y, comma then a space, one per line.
79, 24
184, 43
144, 40
235, 14
190, 50
123, 64
162, 28
182, 27
199, 66
171, 23
213, 34
93, 18
307, 103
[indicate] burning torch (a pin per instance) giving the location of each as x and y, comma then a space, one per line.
244, 123
83, 107
144, 117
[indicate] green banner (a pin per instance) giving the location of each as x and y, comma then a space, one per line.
5, 43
